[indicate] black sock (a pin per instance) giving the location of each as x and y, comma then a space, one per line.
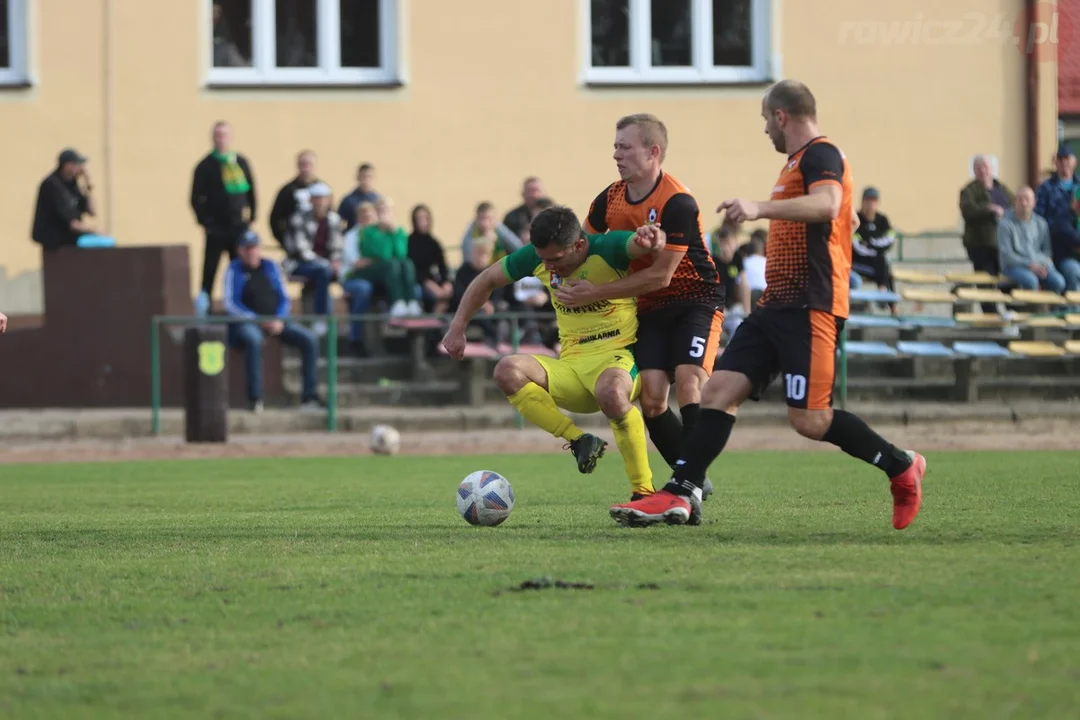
849, 433
689, 414
711, 433
665, 431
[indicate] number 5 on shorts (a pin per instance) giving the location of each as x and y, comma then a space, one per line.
796, 386
697, 347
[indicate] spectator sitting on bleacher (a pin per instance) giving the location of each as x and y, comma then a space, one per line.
503, 240
364, 192
754, 264
255, 286
384, 252
358, 290
313, 247
1024, 246
429, 261
294, 196
871, 243
481, 253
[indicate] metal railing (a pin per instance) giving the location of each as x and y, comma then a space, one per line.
332, 337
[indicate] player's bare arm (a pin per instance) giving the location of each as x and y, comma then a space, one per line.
648, 240
822, 204
476, 296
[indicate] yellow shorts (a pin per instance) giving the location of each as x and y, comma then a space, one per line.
572, 382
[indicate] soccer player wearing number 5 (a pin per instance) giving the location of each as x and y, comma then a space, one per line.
596, 369
680, 296
795, 327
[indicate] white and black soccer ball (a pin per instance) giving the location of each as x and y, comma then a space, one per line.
485, 498
385, 440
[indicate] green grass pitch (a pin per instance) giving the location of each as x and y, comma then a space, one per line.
336, 588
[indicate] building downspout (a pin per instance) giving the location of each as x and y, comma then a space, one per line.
1031, 67
107, 114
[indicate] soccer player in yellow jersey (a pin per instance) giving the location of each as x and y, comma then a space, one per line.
596, 368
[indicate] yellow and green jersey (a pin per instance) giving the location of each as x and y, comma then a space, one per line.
601, 327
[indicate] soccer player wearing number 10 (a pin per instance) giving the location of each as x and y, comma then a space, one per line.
794, 329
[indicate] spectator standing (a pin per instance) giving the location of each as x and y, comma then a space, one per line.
65, 198
314, 246
429, 261
294, 196
386, 245
223, 198
364, 192
521, 217
1025, 246
983, 203
255, 287
1055, 203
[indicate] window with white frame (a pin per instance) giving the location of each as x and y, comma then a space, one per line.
303, 42
678, 41
12, 42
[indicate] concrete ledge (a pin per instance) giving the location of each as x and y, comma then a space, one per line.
117, 424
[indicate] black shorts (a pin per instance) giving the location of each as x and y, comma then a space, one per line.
678, 335
798, 343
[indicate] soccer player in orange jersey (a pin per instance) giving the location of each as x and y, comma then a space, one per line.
680, 296
794, 329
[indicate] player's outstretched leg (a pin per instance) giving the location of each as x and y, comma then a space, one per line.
525, 382
613, 391
904, 468
721, 398
667, 432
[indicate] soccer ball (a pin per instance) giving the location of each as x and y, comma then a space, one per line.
485, 498
385, 440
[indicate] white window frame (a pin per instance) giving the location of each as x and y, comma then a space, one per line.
328, 71
640, 71
16, 74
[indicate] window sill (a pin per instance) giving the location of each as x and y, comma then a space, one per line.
15, 85
652, 83
314, 85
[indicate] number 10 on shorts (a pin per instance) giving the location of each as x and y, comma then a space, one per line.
796, 386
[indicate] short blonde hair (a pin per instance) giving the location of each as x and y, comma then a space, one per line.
653, 130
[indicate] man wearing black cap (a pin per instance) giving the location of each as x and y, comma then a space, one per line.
872, 241
62, 202
1054, 203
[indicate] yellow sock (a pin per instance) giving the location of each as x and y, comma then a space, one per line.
630, 439
538, 407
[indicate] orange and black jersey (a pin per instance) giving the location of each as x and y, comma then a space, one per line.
670, 204
808, 265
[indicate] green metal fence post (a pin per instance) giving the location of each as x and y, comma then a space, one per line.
155, 378
843, 367
331, 376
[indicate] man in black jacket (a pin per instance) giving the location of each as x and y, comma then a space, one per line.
223, 198
293, 196
62, 202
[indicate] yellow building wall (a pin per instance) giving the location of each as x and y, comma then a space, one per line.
493, 93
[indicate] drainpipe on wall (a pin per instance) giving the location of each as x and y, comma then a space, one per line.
1031, 67
107, 114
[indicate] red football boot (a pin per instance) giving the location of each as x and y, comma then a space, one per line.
661, 507
907, 491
